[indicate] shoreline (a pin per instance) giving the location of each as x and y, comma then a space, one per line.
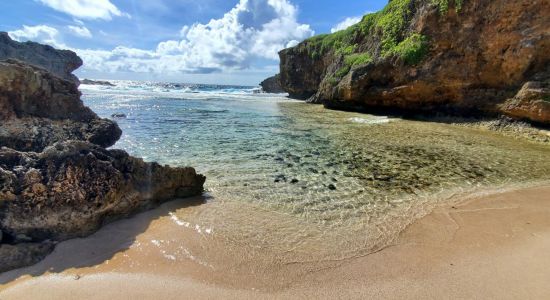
479, 247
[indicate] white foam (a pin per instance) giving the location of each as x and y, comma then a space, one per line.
371, 120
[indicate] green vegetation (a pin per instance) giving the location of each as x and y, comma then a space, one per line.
444, 5
388, 31
413, 49
390, 24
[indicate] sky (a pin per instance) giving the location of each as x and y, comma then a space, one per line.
191, 41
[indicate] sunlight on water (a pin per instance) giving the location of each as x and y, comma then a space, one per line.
296, 178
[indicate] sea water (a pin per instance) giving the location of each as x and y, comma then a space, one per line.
301, 181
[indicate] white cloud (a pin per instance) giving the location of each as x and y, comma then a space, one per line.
346, 23
253, 29
80, 31
86, 9
41, 33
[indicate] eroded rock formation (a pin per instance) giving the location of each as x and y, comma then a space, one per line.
453, 56
62, 63
272, 85
57, 180
38, 109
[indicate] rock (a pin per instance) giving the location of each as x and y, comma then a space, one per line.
119, 115
72, 188
532, 102
59, 62
96, 82
272, 85
294, 181
38, 109
57, 180
24, 254
465, 60
331, 187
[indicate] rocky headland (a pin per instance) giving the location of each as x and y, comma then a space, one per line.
458, 57
57, 180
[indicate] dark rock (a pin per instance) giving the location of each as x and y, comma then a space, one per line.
59, 62
272, 85
294, 181
72, 188
331, 187
118, 115
96, 82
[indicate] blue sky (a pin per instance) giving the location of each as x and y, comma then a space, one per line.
198, 41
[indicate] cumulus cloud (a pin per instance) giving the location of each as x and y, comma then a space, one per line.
80, 31
86, 9
41, 33
253, 29
345, 24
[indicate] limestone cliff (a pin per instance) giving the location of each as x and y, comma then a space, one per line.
453, 56
59, 62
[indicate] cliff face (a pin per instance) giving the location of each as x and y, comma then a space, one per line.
57, 180
62, 63
451, 56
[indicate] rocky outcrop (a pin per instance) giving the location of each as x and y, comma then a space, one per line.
96, 82
532, 102
57, 180
272, 85
72, 188
461, 57
38, 109
59, 62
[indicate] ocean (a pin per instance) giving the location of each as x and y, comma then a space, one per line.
301, 182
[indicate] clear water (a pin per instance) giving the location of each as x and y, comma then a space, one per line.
297, 179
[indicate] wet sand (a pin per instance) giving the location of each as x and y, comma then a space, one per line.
491, 247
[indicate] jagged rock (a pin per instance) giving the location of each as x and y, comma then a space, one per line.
272, 85
57, 181
72, 188
96, 82
38, 109
59, 62
414, 56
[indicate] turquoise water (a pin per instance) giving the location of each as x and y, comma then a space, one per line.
295, 177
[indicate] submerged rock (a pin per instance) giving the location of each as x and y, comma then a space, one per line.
425, 56
59, 62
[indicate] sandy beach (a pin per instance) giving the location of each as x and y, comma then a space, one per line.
492, 247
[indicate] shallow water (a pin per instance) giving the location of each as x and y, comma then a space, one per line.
302, 182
